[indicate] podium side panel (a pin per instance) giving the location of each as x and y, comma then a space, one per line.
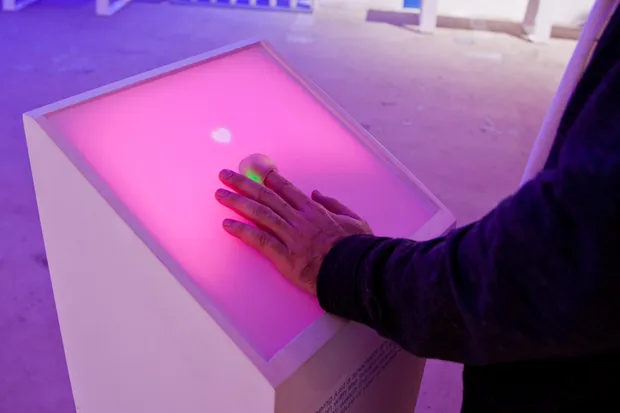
134, 339
356, 372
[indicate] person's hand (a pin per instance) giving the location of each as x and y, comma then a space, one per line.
293, 231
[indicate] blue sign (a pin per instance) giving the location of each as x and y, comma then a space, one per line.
412, 4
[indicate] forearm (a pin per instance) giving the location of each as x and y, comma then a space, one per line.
524, 282
538, 277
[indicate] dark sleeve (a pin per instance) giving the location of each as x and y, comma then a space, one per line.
537, 277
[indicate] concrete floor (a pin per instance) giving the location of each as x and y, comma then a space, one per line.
460, 109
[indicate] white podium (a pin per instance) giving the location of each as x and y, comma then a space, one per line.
160, 310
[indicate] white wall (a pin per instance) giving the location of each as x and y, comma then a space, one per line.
566, 12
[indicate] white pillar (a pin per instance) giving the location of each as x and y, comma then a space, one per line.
538, 20
108, 8
428, 16
14, 5
590, 34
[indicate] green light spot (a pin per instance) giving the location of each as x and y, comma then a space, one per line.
253, 176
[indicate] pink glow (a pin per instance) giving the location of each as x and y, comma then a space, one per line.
152, 144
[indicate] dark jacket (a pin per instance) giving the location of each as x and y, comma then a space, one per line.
529, 296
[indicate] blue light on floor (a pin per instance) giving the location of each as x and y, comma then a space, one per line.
304, 6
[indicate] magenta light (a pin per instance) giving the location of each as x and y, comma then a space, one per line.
160, 145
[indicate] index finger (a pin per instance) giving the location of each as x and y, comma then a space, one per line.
286, 190
266, 172
257, 192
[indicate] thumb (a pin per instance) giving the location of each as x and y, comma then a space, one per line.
333, 205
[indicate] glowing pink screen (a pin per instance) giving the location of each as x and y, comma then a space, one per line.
153, 145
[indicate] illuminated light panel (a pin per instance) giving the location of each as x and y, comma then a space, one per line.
148, 143
253, 175
221, 135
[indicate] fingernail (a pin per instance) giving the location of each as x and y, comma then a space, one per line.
226, 173
227, 223
221, 193
316, 192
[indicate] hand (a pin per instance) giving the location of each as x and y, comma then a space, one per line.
293, 231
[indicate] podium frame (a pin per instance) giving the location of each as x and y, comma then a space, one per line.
281, 367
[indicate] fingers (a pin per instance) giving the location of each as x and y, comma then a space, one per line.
258, 239
286, 190
256, 212
257, 192
333, 205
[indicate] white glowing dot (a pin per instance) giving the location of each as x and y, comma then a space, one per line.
221, 135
